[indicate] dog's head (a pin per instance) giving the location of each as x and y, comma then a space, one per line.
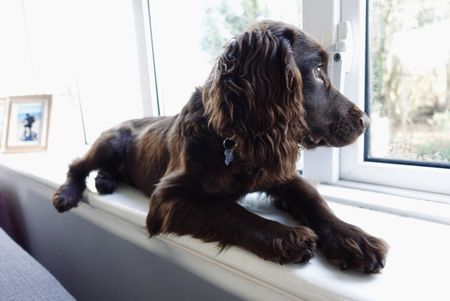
332, 119
270, 90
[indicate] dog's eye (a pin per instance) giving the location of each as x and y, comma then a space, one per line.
318, 72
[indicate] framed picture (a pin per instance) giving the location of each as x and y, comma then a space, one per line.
28, 121
3, 117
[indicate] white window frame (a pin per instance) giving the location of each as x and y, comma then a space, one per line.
323, 30
348, 163
146, 57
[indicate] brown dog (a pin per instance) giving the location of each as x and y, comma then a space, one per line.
267, 94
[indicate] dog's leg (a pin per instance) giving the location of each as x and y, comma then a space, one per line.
105, 154
343, 244
178, 206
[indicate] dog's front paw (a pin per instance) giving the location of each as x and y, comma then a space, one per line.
66, 197
294, 245
349, 247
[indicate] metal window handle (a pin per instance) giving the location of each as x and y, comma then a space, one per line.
341, 54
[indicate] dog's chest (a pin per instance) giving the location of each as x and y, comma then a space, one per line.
236, 179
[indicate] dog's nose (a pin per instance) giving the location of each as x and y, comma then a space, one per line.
365, 121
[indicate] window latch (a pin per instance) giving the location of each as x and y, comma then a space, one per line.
341, 54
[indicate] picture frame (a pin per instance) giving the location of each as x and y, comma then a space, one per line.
27, 123
3, 121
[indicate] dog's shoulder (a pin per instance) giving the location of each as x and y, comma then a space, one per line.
192, 121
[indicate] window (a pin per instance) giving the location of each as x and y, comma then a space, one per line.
369, 160
81, 52
183, 56
186, 44
403, 84
408, 82
100, 69
107, 64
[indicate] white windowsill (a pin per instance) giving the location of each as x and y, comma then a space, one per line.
409, 203
419, 248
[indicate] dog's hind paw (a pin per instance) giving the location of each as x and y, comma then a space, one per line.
66, 197
105, 182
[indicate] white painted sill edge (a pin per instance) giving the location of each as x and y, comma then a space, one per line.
316, 280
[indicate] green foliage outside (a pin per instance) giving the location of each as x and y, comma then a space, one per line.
416, 102
225, 21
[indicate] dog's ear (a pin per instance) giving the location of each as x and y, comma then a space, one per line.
254, 88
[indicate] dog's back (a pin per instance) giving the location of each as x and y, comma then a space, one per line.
148, 155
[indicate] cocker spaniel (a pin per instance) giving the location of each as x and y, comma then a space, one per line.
267, 95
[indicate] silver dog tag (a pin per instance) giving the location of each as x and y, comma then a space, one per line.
229, 157
229, 145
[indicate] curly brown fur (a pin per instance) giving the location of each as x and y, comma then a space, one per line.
268, 93
259, 68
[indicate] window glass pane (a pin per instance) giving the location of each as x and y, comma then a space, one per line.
189, 35
409, 81
107, 64
80, 52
